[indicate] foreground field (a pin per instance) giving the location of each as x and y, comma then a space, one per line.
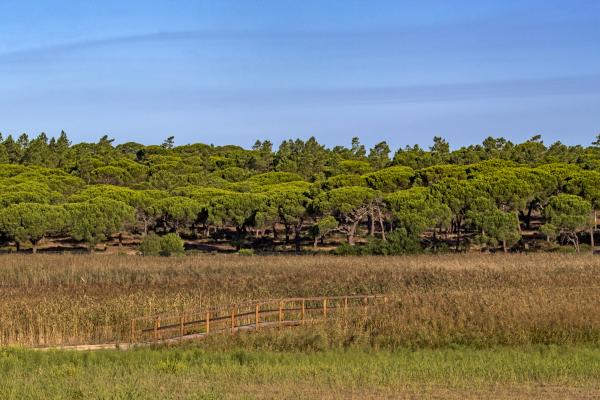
549, 372
480, 300
464, 326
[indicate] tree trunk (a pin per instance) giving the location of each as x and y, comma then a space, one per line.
381, 225
287, 234
371, 223
238, 242
351, 232
297, 236
592, 231
457, 227
504, 248
274, 232
18, 246
518, 221
316, 242
528, 218
34, 247
573, 239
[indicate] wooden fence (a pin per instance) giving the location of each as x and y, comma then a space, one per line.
246, 316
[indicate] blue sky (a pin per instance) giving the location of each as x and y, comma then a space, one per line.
231, 72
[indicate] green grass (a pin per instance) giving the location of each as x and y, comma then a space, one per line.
193, 372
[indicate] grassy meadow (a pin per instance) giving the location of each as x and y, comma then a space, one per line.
190, 372
460, 326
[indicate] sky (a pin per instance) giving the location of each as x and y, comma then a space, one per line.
231, 72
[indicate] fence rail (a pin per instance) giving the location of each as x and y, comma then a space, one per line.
246, 316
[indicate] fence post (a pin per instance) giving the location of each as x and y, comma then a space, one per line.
207, 322
233, 319
156, 327
280, 312
345, 304
181, 326
257, 316
324, 308
303, 309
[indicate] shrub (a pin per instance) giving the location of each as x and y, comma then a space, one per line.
398, 242
246, 252
170, 244
150, 246
154, 245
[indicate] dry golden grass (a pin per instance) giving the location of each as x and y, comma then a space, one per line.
467, 299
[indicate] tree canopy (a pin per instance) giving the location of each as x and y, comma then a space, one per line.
492, 196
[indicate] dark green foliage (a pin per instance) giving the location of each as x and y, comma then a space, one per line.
431, 175
171, 244
167, 245
98, 219
271, 178
30, 222
399, 242
494, 227
151, 245
390, 179
232, 174
567, 215
379, 155
343, 180
356, 167
417, 209
176, 212
323, 227
492, 194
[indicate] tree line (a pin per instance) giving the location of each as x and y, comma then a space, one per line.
494, 196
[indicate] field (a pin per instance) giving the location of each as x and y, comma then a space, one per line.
459, 326
190, 372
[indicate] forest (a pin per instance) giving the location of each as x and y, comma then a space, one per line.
496, 196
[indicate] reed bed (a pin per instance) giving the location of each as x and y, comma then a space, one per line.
439, 300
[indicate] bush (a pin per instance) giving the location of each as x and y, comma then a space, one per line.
154, 245
246, 252
151, 245
398, 242
170, 244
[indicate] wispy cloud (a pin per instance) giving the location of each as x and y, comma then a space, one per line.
463, 91
121, 40
519, 88
442, 37
202, 97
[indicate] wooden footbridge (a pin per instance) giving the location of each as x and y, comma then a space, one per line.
241, 317
253, 315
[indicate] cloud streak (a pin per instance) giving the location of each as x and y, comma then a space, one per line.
290, 97
201, 97
445, 37
120, 40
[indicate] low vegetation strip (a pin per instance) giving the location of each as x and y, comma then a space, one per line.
190, 372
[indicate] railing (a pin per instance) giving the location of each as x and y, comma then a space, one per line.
246, 316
